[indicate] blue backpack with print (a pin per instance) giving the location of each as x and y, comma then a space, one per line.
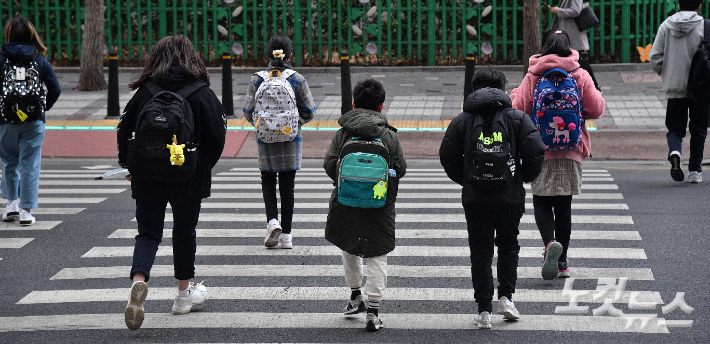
557, 110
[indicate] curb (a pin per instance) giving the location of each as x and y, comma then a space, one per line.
602, 67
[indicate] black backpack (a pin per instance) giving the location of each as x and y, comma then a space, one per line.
166, 115
491, 163
23, 97
699, 76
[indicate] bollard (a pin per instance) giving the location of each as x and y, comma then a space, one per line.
345, 86
113, 109
468, 75
227, 97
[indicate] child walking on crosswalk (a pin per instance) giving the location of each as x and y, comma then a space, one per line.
491, 150
173, 66
364, 232
278, 102
561, 175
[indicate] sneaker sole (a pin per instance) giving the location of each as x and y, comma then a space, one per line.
508, 315
134, 313
676, 169
11, 217
484, 326
563, 275
273, 238
549, 267
181, 311
287, 247
361, 308
372, 326
27, 223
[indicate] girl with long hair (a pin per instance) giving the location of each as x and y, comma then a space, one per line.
21, 141
173, 66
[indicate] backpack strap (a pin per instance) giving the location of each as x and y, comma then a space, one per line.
287, 73
190, 88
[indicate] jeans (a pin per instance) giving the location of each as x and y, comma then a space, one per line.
286, 185
376, 274
490, 224
553, 216
678, 112
21, 155
151, 216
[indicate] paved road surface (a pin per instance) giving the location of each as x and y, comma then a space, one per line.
66, 276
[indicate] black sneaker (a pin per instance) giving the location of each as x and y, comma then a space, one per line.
676, 168
355, 306
563, 270
374, 323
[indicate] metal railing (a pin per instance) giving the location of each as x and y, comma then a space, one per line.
389, 32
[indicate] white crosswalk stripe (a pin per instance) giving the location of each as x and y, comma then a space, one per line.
431, 236
66, 205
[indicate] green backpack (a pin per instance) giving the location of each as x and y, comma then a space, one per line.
363, 173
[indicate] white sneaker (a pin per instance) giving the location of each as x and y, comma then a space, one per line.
26, 217
483, 320
12, 211
285, 240
197, 296
695, 177
506, 308
134, 310
273, 231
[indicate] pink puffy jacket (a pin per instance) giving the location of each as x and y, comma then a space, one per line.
592, 101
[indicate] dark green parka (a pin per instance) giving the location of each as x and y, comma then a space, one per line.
360, 231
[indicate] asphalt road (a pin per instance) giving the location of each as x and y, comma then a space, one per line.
70, 282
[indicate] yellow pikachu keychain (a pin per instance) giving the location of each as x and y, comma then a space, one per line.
176, 155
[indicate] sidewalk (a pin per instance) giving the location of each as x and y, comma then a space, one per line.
420, 100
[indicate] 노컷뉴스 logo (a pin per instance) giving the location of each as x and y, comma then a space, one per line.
608, 292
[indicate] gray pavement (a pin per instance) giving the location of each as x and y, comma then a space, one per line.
633, 93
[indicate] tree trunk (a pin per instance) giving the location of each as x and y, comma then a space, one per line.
91, 76
531, 30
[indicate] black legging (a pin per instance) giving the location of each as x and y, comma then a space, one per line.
553, 215
584, 63
286, 186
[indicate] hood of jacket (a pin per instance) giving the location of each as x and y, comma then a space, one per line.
176, 79
540, 64
22, 51
485, 99
365, 123
683, 23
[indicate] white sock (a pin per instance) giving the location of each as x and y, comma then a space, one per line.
184, 293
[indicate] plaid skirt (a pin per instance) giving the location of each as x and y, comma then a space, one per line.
559, 177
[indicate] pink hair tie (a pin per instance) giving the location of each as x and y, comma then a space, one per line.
558, 31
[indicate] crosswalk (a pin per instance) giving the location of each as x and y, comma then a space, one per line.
251, 286
57, 201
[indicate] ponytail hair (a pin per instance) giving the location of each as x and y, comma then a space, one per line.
556, 42
21, 30
278, 50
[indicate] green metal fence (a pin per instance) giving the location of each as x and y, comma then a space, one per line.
390, 32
